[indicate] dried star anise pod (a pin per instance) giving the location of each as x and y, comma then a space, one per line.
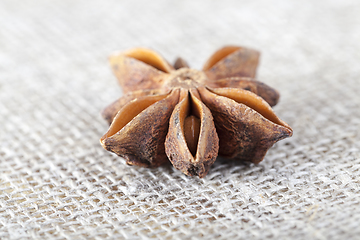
188, 116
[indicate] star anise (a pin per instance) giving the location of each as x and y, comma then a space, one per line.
188, 116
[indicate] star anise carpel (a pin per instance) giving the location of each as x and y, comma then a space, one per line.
189, 117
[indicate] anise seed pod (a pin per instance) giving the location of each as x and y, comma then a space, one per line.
188, 116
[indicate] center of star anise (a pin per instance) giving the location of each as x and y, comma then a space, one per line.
186, 78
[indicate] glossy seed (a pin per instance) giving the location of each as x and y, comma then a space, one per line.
191, 132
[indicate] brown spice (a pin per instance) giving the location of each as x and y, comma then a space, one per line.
188, 116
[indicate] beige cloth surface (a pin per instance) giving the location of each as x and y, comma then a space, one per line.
57, 182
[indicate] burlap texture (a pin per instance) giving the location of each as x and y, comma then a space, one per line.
57, 182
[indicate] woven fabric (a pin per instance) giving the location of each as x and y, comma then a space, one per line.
57, 182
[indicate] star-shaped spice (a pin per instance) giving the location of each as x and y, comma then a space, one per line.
188, 116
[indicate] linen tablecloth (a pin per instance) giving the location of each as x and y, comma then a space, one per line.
57, 182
